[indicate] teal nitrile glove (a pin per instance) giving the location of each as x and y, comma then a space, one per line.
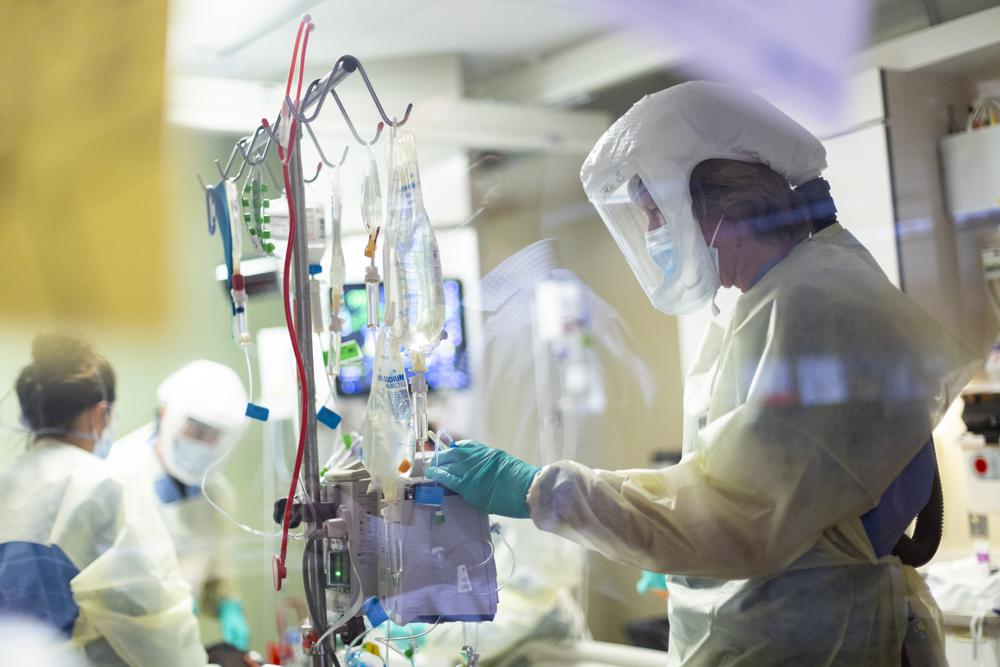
650, 581
235, 630
489, 479
400, 633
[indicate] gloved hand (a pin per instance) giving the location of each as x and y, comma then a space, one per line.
401, 633
489, 479
235, 630
651, 581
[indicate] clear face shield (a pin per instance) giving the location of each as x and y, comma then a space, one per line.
662, 244
191, 446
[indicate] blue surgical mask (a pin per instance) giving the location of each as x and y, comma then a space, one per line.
663, 251
102, 441
102, 446
188, 459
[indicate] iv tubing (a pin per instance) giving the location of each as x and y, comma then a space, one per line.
388, 639
245, 528
246, 357
513, 560
353, 644
299, 363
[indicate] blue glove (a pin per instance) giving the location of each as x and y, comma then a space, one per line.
489, 479
235, 630
650, 581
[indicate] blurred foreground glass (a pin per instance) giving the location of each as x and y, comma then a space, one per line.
81, 156
800, 49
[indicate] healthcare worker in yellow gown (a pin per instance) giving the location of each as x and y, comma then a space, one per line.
201, 416
807, 414
79, 550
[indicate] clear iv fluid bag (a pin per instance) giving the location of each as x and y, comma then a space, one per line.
414, 262
338, 270
235, 223
371, 194
388, 420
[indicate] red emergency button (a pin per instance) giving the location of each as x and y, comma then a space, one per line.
981, 465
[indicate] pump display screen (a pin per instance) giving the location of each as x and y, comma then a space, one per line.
447, 365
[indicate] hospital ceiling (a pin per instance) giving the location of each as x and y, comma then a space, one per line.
240, 38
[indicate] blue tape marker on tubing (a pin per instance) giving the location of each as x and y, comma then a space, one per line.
328, 418
374, 612
258, 412
429, 494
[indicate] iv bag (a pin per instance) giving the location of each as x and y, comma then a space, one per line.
388, 420
338, 272
413, 271
235, 226
371, 195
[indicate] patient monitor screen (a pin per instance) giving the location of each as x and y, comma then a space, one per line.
447, 365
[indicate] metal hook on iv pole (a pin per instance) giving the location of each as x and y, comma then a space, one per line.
351, 60
253, 140
350, 123
322, 155
224, 173
249, 160
207, 191
319, 168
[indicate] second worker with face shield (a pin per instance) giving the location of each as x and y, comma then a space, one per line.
200, 418
807, 415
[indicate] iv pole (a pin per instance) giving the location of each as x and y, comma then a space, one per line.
310, 460
315, 96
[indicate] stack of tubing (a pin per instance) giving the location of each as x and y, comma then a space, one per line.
285, 156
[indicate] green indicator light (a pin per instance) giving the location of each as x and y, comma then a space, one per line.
338, 573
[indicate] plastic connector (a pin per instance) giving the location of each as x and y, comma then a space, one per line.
370, 246
372, 280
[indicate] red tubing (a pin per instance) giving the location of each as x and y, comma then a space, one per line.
295, 52
281, 570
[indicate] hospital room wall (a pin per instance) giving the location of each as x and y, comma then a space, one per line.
930, 260
541, 197
194, 325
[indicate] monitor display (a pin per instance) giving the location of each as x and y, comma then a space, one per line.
447, 365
